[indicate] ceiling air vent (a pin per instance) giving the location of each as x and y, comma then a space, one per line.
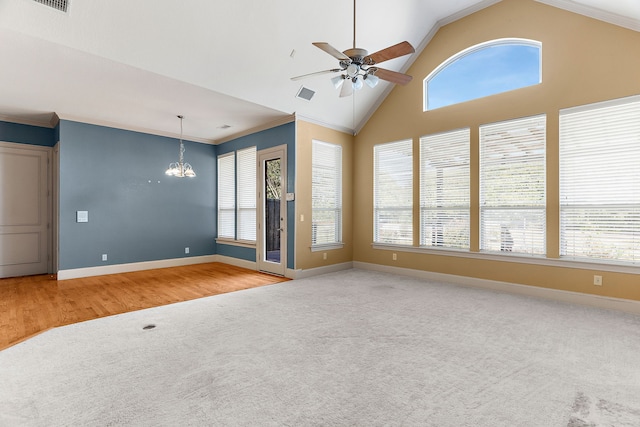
305, 93
60, 5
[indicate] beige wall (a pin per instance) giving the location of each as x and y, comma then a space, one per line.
305, 133
584, 61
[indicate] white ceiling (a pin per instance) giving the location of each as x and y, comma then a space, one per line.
138, 64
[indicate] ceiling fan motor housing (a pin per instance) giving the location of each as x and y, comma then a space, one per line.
357, 55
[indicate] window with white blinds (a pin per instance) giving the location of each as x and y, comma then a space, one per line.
444, 190
326, 193
227, 196
393, 193
512, 186
246, 194
600, 181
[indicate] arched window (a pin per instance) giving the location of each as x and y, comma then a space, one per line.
485, 69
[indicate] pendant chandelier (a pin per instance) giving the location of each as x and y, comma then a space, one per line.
180, 168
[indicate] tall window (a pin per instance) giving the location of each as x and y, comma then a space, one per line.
227, 196
237, 195
486, 69
326, 193
512, 186
246, 194
444, 190
393, 193
600, 181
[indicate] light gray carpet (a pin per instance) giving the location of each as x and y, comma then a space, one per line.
354, 348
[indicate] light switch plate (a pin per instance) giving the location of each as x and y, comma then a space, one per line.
82, 216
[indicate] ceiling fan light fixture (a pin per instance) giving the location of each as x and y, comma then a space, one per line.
337, 81
371, 80
357, 83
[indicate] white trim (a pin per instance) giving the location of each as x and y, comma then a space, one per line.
270, 125
249, 265
592, 12
44, 123
602, 104
306, 119
136, 266
310, 272
619, 304
240, 243
510, 257
139, 129
326, 247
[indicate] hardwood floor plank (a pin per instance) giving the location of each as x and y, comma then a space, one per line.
31, 305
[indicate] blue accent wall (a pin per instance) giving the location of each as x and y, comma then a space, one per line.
136, 212
27, 134
280, 135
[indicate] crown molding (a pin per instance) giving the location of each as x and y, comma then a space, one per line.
272, 124
324, 124
44, 123
592, 12
140, 129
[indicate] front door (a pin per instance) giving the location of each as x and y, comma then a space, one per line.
272, 227
24, 210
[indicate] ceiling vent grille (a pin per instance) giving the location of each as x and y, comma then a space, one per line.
305, 93
60, 5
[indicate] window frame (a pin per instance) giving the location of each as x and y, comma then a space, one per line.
391, 208
471, 50
446, 208
337, 207
594, 158
507, 241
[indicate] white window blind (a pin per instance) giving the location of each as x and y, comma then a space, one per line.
227, 196
444, 190
246, 194
326, 193
512, 186
393, 193
600, 181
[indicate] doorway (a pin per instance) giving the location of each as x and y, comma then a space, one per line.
24, 210
272, 221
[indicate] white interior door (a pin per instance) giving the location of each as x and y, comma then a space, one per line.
24, 210
272, 220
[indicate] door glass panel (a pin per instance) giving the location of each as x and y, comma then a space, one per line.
273, 191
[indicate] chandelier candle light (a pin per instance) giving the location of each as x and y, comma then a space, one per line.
180, 168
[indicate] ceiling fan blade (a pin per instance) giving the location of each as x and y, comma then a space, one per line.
317, 73
392, 76
347, 88
332, 51
395, 51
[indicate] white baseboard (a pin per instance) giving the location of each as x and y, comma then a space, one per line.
249, 265
619, 304
310, 272
135, 266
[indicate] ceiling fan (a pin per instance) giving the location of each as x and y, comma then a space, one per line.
357, 66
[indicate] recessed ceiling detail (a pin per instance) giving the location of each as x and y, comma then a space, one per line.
60, 5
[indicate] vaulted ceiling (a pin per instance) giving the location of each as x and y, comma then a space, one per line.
224, 65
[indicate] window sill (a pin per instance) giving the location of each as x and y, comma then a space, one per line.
614, 267
326, 247
241, 243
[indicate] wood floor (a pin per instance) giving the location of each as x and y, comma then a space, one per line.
31, 305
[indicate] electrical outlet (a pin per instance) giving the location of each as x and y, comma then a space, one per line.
597, 280
395, 257
186, 250
104, 257
324, 255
